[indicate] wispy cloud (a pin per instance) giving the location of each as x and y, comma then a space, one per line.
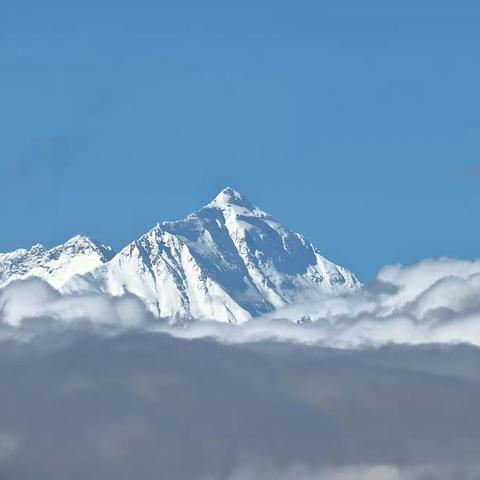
470, 171
36, 179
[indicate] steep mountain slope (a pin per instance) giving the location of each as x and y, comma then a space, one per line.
229, 261
77, 256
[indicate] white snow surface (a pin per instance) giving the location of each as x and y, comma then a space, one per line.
77, 256
229, 262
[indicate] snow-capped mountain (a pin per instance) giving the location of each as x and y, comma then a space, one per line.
77, 256
229, 261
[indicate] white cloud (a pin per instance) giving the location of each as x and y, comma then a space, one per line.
100, 391
8, 446
361, 472
34, 299
436, 300
431, 301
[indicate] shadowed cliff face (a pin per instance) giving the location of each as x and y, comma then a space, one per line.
152, 406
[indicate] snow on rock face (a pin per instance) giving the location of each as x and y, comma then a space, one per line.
229, 261
78, 255
258, 261
160, 269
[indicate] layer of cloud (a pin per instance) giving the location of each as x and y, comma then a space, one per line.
436, 300
32, 306
362, 472
149, 406
97, 388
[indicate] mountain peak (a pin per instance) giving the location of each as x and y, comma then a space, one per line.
229, 261
80, 238
229, 196
82, 243
38, 248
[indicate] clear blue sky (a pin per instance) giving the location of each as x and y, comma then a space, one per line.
354, 123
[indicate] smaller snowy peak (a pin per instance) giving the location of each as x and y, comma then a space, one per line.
82, 244
80, 240
37, 250
78, 255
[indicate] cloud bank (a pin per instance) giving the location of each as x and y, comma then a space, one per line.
150, 405
434, 301
94, 387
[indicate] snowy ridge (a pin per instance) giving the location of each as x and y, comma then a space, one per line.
229, 261
76, 256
